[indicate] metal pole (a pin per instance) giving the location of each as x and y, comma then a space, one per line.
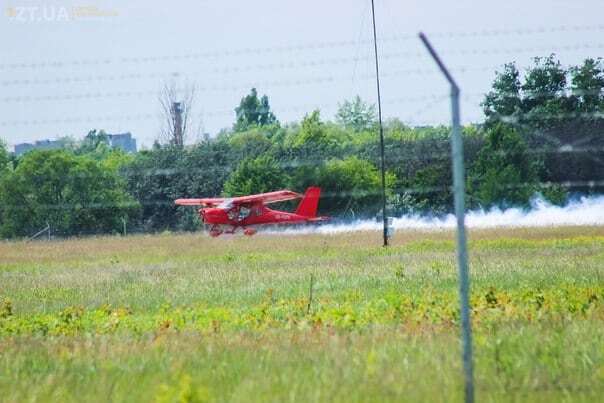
377, 80
310, 293
462, 249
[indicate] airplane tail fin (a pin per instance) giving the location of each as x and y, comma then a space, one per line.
310, 202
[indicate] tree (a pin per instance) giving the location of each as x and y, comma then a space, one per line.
151, 179
312, 131
553, 112
544, 100
258, 175
588, 85
72, 193
503, 101
95, 142
356, 115
250, 143
429, 189
201, 173
503, 173
4, 158
253, 112
315, 140
351, 185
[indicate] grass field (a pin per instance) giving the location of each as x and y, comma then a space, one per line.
190, 318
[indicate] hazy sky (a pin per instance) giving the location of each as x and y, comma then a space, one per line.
67, 67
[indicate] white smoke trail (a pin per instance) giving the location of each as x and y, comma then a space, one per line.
584, 211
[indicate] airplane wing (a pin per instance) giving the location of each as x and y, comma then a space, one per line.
266, 198
208, 202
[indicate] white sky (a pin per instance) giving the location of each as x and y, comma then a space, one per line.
300, 53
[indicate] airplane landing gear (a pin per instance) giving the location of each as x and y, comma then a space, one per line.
249, 231
215, 231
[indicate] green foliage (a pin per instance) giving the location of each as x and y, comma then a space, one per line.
312, 131
588, 85
554, 108
115, 160
253, 112
4, 158
74, 194
429, 190
349, 311
504, 173
352, 186
159, 176
503, 101
252, 142
555, 194
6, 308
544, 83
544, 98
356, 115
95, 143
182, 392
315, 141
551, 109
257, 175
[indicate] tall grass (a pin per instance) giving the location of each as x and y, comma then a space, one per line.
189, 318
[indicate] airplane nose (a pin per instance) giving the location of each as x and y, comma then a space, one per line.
210, 216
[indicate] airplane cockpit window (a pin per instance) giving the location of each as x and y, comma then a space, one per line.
244, 212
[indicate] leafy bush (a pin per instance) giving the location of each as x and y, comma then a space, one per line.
352, 186
74, 194
262, 174
504, 173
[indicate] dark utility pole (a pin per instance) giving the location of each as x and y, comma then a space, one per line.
377, 79
177, 119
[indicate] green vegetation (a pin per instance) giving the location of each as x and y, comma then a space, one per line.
75, 193
189, 318
531, 121
503, 173
356, 115
258, 175
253, 112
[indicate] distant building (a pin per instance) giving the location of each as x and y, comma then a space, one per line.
123, 141
38, 145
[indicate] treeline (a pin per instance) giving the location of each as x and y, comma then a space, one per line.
543, 134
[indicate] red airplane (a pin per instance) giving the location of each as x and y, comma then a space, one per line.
247, 211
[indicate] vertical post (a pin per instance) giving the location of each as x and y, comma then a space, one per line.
124, 224
48, 226
310, 293
462, 249
383, 165
178, 129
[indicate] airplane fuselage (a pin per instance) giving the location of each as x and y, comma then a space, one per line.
244, 216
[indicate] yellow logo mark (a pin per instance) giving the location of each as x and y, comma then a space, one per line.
11, 12
92, 11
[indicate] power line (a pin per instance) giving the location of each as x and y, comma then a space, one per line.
294, 48
296, 65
